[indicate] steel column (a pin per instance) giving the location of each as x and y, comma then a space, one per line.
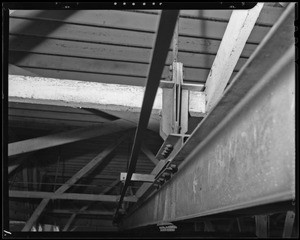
248, 159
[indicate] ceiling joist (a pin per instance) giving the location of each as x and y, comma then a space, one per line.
53, 140
238, 30
113, 97
69, 196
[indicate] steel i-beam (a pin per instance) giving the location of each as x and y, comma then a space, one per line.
248, 158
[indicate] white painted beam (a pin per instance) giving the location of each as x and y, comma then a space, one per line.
110, 97
52, 140
234, 39
69, 196
288, 224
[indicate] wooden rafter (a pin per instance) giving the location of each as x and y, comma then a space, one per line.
82, 212
67, 137
69, 196
235, 37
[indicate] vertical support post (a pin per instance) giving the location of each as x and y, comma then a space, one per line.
168, 98
175, 105
175, 101
288, 224
198, 226
26, 187
177, 79
208, 226
262, 226
35, 178
239, 224
166, 115
184, 118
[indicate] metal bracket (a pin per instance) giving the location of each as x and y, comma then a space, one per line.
136, 177
171, 146
175, 104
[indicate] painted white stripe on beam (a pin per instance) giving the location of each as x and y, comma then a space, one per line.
235, 37
102, 96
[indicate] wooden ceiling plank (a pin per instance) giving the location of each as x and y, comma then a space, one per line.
240, 26
200, 44
269, 15
87, 168
136, 22
103, 51
96, 66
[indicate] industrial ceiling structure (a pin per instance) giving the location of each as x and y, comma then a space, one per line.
146, 121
